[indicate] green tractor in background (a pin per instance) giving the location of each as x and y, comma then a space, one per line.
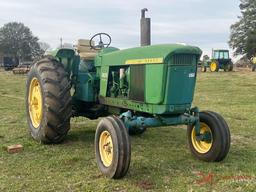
220, 60
131, 89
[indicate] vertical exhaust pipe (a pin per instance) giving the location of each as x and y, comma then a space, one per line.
145, 31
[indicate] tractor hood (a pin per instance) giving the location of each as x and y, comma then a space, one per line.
144, 55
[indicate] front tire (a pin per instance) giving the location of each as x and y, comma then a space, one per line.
48, 101
112, 147
217, 146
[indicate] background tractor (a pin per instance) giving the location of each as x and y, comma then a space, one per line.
131, 89
220, 60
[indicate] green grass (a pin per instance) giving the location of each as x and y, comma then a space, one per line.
160, 160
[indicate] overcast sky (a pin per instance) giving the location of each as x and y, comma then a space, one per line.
204, 23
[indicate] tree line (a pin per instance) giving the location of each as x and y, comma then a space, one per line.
17, 40
243, 32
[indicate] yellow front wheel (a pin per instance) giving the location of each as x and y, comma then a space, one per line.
214, 67
112, 147
106, 148
202, 146
213, 142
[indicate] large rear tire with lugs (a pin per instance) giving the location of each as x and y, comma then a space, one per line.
48, 101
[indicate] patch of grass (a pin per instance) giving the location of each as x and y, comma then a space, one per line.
161, 160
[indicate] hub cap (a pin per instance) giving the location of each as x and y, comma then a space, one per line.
106, 148
201, 146
35, 102
213, 66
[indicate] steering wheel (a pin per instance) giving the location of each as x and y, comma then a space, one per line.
101, 44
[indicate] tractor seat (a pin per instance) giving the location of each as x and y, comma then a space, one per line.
84, 49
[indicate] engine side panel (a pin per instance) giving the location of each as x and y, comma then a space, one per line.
137, 83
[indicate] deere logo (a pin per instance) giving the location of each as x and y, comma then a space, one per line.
145, 61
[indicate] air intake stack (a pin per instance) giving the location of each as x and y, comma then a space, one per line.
145, 31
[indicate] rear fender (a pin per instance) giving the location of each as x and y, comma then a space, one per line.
66, 56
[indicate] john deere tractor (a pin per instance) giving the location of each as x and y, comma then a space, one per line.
221, 60
129, 90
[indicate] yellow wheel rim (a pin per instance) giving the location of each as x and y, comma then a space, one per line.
106, 148
201, 146
35, 102
213, 66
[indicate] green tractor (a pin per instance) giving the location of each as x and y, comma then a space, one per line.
220, 60
130, 90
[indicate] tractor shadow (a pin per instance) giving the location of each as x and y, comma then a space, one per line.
78, 136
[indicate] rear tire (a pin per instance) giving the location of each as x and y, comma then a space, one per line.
48, 101
229, 67
112, 147
217, 148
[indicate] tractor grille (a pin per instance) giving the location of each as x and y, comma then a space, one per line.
137, 85
182, 59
